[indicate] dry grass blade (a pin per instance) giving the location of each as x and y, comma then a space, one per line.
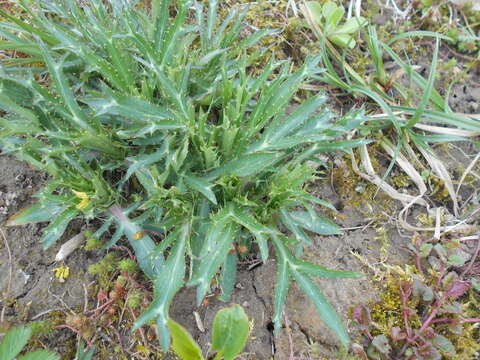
466, 172
447, 131
406, 166
441, 171
10, 273
372, 177
462, 226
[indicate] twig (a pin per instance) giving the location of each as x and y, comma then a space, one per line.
45, 313
469, 58
139, 329
10, 273
85, 297
117, 334
89, 343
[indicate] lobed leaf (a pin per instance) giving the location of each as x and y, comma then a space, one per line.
220, 237
317, 224
169, 279
40, 212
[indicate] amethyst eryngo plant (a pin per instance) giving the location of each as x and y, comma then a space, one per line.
151, 122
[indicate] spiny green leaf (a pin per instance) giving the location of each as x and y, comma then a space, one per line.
229, 276
40, 212
283, 127
316, 224
78, 117
142, 244
56, 228
215, 249
326, 311
282, 284
201, 186
247, 165
292, 225
168, 281
258, 230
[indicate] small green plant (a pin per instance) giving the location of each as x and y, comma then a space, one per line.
425, 312
230, 332
84, 353
328, 16
153, 123
15, 340
408, 124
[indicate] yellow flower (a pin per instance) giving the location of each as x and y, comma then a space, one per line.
138, 235
85, 199
62, 272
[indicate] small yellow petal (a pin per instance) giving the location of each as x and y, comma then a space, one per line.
138, 235
85, 199
62, 272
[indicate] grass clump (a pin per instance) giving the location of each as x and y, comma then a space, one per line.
153, 123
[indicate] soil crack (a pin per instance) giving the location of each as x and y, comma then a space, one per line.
269, 326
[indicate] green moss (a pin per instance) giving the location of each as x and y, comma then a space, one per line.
104, 268
127, 265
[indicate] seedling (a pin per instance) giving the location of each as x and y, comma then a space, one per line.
328, 16
230, 332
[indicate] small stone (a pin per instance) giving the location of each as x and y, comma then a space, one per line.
239, 286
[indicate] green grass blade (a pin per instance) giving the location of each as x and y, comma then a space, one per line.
420, 33
436, 98
247, 165
428, 89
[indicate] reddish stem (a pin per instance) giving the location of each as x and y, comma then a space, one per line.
89, 344
405, 297
109, 302
471, 320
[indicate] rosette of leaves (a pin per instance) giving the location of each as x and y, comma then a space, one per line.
151, 122
329, 15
